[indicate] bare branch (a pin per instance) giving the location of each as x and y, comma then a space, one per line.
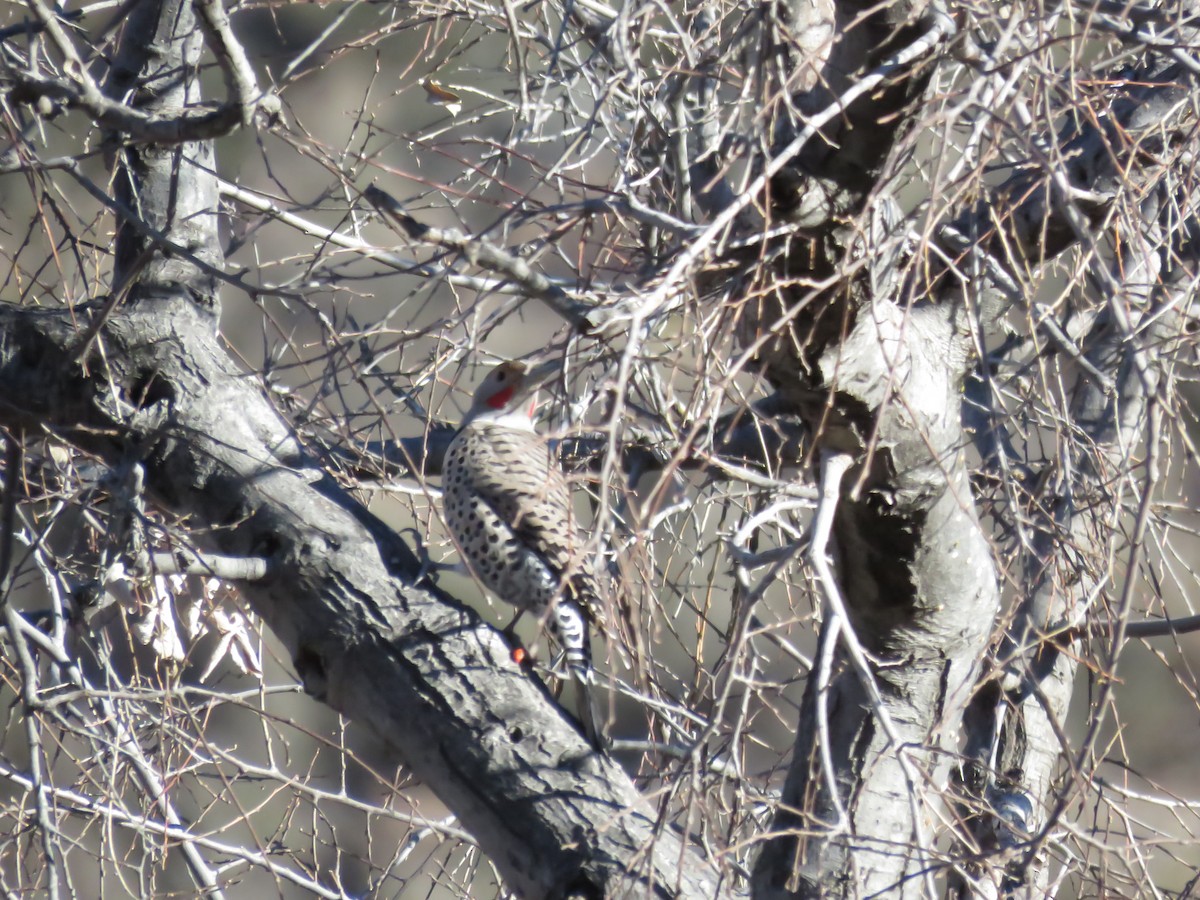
479, 251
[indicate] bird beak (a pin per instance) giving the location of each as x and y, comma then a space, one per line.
539, 373
536, 375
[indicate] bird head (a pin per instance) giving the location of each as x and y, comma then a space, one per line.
506, 393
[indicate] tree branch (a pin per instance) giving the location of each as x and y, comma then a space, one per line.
77, 89
483, 253
436, 683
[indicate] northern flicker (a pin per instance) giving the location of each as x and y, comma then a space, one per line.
508, 507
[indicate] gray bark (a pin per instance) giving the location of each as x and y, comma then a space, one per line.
916, 570
869, 353
155, 388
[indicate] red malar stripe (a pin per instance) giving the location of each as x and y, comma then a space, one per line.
500, 399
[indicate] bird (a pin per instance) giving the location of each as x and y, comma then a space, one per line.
508, 507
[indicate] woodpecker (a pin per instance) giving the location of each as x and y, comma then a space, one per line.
508, 506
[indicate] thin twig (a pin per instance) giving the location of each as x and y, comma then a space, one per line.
481, 252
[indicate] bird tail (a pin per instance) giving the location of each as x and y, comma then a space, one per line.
589, 718
571, 632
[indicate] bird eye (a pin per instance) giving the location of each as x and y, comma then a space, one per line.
500, 376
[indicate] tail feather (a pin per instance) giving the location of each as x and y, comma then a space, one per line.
571, 631
589, 718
